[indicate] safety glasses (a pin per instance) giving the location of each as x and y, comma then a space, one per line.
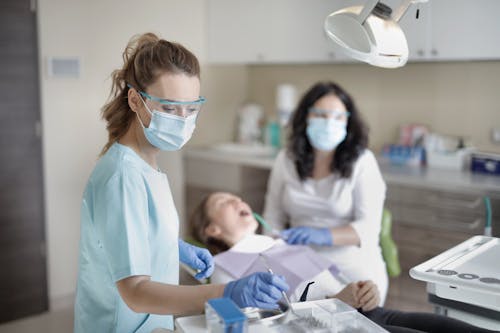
335, 114
183, 109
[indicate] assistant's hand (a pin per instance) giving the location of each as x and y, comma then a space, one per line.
196, 258
308, 235
349, 294
368, 295
262, 290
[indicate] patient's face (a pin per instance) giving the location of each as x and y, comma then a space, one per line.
231, 217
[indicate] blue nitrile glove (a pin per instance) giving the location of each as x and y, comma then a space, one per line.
308, 236
196, 258
261, 290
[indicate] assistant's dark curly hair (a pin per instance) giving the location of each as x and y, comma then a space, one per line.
348, 151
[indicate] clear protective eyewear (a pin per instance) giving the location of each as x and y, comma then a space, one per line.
183, 109
335, 114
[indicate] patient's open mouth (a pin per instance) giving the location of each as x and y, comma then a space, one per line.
244, 213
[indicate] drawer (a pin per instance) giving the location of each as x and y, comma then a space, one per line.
449, 200
437, 218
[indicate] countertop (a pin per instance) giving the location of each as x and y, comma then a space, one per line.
423, 177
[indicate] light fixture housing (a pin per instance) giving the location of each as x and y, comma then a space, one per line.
370, 33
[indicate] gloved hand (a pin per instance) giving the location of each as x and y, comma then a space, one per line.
196, 258
308, 235
262, 290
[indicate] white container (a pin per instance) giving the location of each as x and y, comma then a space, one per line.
457, 160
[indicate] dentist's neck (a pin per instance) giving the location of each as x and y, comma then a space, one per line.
322, 161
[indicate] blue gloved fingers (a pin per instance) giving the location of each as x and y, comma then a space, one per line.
277, 281
207, 263
263, 296
197, 258
302, 238
259, 289
295, 235
267, 292
308, 235
285, 234
228, 289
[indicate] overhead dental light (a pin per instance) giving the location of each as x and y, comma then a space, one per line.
370, 33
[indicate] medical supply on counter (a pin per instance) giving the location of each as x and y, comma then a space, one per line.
272, 135
249, 126
404, 155
412, 134
222, 315
447, 152
487, 163
286, 98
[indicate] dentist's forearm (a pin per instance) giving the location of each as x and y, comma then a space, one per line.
145, 296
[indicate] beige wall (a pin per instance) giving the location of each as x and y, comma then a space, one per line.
226, 90
459, 98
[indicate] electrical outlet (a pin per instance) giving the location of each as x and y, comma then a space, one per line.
495, 135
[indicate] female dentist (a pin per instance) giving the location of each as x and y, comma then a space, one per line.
328, 188
129, 247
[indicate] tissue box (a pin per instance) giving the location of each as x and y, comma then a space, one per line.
456, 160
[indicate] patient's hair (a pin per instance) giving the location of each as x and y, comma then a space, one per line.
198, 223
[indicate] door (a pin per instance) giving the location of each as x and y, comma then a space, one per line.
23, 280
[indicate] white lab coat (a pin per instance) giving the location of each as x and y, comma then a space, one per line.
332, 202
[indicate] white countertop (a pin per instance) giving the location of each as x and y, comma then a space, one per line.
393, 174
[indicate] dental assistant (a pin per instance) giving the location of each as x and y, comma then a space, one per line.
129, 248
326, 187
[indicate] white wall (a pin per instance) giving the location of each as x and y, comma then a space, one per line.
97, 31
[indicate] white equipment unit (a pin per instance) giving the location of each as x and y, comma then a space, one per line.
464, 281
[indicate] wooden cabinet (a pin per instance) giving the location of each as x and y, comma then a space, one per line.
291, 31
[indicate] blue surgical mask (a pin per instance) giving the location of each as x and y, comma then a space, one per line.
326, 133
167, 131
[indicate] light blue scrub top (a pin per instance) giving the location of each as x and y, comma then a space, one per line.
129, 226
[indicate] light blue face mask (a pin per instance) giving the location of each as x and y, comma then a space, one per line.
326, 133
167, 131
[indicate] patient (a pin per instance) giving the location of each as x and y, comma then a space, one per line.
227, 226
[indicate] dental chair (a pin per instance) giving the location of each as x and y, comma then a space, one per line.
389, 248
